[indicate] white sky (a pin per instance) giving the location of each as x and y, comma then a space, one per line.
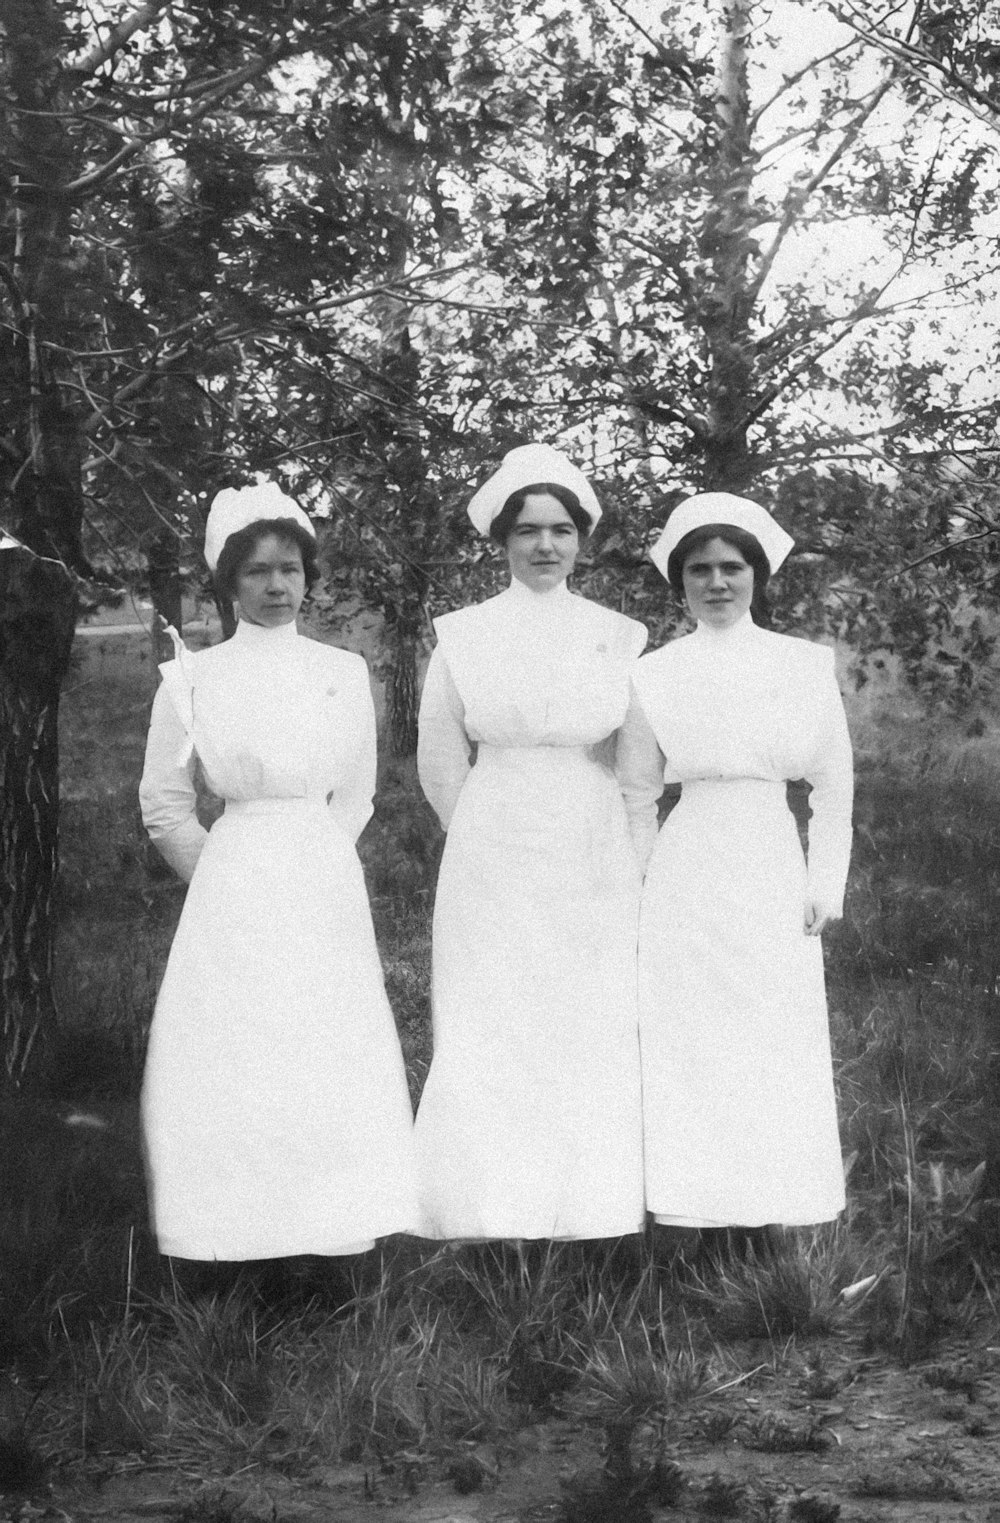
789, 35
965, 335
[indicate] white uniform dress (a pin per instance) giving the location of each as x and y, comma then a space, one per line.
740, 1120
274, 1105
530, 1121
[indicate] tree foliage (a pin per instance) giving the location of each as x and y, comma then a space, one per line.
173, 193
366, 248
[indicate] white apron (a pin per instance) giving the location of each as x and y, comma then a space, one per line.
275, 1111
530, 1121
740, 1121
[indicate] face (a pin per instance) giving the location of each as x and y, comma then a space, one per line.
543, 544
271, 583
718, 584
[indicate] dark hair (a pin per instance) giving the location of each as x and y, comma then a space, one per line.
502, 525
749, 547
240, 546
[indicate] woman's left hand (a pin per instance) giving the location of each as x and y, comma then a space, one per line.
817, 917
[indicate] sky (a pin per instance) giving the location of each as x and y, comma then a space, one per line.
788, 35
965, 335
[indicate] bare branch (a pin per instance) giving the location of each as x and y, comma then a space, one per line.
669, 56
164, 358
796, 200
789, 82
936, 553
936, 73
101, 51
173, 123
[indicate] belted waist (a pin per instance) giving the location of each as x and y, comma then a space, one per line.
541, 756
760, 794
312, 805
752, 784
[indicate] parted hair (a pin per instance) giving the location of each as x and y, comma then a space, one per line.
503, 524
750, 548
239, 547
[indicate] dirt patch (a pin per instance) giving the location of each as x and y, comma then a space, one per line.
817, 1434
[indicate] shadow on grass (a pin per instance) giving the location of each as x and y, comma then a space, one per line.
72, 1222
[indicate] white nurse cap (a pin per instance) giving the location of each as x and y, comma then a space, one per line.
722, 508
236, 508
527, 466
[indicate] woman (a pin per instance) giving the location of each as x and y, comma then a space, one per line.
274, 1104
530, 1121
740, 1121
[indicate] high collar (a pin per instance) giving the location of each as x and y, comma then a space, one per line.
733, 638
254, 635
552, 597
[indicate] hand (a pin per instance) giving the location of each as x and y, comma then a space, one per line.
817, 916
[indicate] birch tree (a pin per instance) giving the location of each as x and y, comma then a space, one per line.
715, 262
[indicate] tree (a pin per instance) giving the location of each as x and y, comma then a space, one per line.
665, 285
946, 52
144, 245
367, 249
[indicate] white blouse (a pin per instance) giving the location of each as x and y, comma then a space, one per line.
268, 714
743, 702
523, 669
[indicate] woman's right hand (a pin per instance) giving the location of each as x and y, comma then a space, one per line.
817, 916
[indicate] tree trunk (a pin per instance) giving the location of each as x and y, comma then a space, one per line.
165, 593
416, 527
403, 695
42, 510
38, 580
37, 618
726, 247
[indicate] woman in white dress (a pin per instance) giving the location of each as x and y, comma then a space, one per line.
530, 1121
740, 1120
275, 1112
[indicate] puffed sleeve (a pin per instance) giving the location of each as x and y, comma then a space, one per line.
831, 801
351, 804
167, 793
639, 766
444, 752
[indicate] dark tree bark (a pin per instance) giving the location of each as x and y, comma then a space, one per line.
38, 582
403, 691
165, 593
417, 524
37, 620
41, 510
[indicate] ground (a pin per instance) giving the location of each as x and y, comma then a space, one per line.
804, 1430
808, 1433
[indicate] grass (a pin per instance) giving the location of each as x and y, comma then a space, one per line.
419, 1359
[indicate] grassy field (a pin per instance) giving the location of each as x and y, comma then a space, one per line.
420, 1358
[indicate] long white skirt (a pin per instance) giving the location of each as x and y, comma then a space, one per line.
275, 1111
530, 1121
740, 1118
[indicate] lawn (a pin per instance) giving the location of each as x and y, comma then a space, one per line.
582, 1383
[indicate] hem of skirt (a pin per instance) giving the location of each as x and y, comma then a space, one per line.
510, 1234
244, 1253
753, 1219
